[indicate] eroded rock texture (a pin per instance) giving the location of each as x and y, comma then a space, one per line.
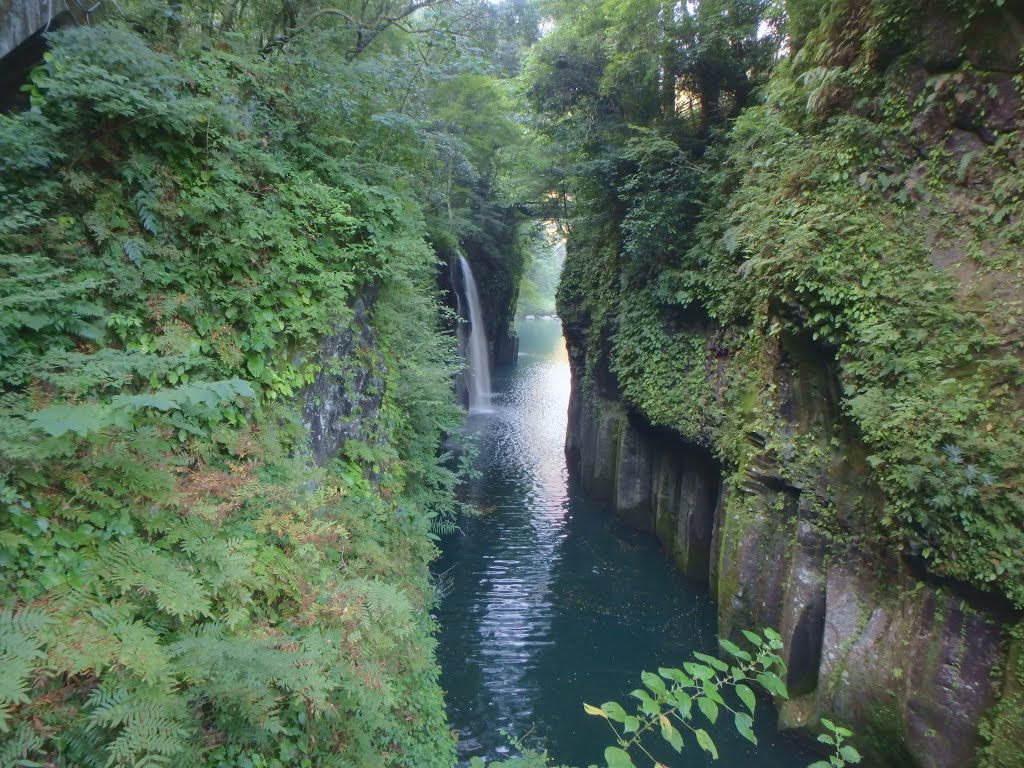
912, 666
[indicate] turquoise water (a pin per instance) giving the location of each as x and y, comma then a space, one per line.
549, 603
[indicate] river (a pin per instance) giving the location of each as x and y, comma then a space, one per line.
549, 604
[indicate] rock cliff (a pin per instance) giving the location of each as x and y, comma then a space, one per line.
915, 666
814, 399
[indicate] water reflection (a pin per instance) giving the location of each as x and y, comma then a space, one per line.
551, 603
500, 605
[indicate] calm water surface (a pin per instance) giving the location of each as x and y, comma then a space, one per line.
550, 604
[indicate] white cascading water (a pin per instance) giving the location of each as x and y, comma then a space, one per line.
476, 349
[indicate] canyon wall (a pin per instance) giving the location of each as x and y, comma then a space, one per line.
915, 667
809, 385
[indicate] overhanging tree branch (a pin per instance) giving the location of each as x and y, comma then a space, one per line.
368, 26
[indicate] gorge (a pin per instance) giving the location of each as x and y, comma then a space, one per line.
256, 256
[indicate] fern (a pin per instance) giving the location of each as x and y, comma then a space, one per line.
148, 724
17, 746
21, 647
58, 420
145, 739
134, 567
385, 602
212, 598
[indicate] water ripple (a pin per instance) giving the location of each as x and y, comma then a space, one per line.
551, 604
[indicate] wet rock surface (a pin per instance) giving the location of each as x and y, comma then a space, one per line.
912, 667
344, 400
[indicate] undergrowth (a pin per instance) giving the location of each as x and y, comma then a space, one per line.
821, 216
183, 585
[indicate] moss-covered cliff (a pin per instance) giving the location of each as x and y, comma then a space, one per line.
818, 382
225, 390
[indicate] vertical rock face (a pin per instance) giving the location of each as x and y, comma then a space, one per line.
803, 609
634, 471
506, 348
345, 397
685, 491
23, 24
655, 483
912, 667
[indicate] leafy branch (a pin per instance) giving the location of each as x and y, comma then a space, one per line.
669, 705
843, 754
367, 29
675, 692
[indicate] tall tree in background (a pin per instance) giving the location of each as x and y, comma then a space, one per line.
611, 73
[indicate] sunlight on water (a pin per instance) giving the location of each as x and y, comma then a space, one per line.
551, 604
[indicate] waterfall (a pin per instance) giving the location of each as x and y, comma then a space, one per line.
476, 349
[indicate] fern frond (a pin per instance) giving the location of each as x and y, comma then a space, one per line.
135, 567
18, 745
21, 647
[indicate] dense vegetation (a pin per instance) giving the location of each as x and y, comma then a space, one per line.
202, 197
829, 215
194, 203
833, 200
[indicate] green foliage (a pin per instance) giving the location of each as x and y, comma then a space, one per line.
824, 250
675, 702
813, 222
674, 697
183, 586
662, 195
200, 400
20, 649
844, 753
661, 362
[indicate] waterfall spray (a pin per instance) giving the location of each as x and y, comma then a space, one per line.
476, 349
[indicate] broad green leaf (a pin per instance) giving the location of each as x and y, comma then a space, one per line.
709, 708
753, 637
631, 725
773, 684
614, 711
744, 723
652, 681
747, 697
35, 322
718, 664
683, 703
647, 705
58, 420
670, 734
820, 764
711, 691
699, 671
617, 758
255, 364
706, 742
733, 649
849, 754
675, 675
